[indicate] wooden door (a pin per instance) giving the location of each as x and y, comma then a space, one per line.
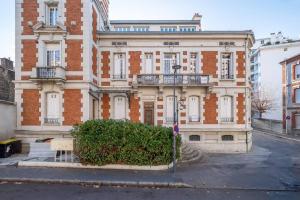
149, 113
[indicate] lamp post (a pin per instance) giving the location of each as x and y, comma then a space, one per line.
175, 123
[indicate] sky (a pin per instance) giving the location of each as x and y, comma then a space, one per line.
261, 16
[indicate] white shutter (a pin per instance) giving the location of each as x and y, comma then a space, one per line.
297, 119
297, 95
117, 64
194, 109
120, 108
148, 63
52, 105
226, 108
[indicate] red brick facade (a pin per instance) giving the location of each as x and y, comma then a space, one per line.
211, 109
105, 106
210, 61
134, 63
105, 64
134, 113
240, 108
29, 15
31, 107
74, 14
29, 54
240, 64
94, 67
74, 55
72, 107
95, 24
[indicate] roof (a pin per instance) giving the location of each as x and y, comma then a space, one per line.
249, 32
291, 59
119, 22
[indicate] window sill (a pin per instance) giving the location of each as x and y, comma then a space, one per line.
227, 123
228, 79
48, 124
119, 79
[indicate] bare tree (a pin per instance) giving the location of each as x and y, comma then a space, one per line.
262, 102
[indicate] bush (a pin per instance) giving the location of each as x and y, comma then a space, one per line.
101, 142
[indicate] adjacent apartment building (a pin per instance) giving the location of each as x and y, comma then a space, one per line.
73, 64
291, 94
266, 73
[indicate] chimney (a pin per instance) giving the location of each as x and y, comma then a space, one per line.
197, 16
273, 38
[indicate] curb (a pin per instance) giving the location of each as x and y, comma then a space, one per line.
99, 183
277, 135
81, 166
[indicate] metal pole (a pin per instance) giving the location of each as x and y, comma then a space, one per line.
174, 122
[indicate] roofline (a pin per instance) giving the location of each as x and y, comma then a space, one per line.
119, 22
246, 32
290, 59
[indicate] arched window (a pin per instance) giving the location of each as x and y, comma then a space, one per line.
195, 138
120, 108
194, 109
226, 109
227, 137
52, 108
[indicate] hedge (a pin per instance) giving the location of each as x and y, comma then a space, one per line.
101, 142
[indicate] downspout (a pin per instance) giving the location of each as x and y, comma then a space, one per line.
246, 91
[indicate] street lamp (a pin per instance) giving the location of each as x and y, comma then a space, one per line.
175, 123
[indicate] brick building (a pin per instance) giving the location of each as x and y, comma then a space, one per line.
291, 94
73, 64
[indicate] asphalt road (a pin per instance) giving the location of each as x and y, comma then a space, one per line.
270, 171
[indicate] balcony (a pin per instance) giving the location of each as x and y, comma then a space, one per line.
168, 80
48, 74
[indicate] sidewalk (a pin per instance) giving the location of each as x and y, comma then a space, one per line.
91, 176
279, 135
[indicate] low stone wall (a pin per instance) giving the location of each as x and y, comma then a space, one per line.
7, 120
274, 126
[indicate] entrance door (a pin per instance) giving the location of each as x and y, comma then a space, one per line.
149, 113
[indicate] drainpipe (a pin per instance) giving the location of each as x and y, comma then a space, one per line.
246, 91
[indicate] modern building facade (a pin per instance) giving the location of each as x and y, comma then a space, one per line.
291, 94
73, 64
266, 73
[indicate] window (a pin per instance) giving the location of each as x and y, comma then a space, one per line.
187, 29
168, 29
141, 29
52, 108
119, 66
227, 137
53, 57
148, 63
52, 15
195, 138
170, 59
194, 109
297, 95
194, 63
170, 109
227, 66
297, 121
297, 71
122, 29
226, 109
119, 108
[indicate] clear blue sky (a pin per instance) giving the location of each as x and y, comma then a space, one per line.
262, 16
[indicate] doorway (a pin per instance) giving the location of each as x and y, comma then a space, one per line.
149, 113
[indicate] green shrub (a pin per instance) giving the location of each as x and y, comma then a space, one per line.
101, 142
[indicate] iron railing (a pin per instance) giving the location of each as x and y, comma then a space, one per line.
227, 119
227, 76
46, 72
51, 121
148, 79
194, 118
119, 77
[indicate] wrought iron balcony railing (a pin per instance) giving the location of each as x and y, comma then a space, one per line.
45, 73
227, 76
52, 121
227, 119
168, 79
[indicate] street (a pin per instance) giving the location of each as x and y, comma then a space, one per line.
270, 171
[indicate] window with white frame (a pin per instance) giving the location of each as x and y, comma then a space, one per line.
170, 59
297, 95
120, 108
122, 29
148, 63
119, 66
194, 63
52, 15
141, 28
170, 109
226, 66
194, 109
187, 29
168, 29
297, 71
53, 55
226, 109
52, 108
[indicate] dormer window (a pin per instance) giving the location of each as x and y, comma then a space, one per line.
52, 14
